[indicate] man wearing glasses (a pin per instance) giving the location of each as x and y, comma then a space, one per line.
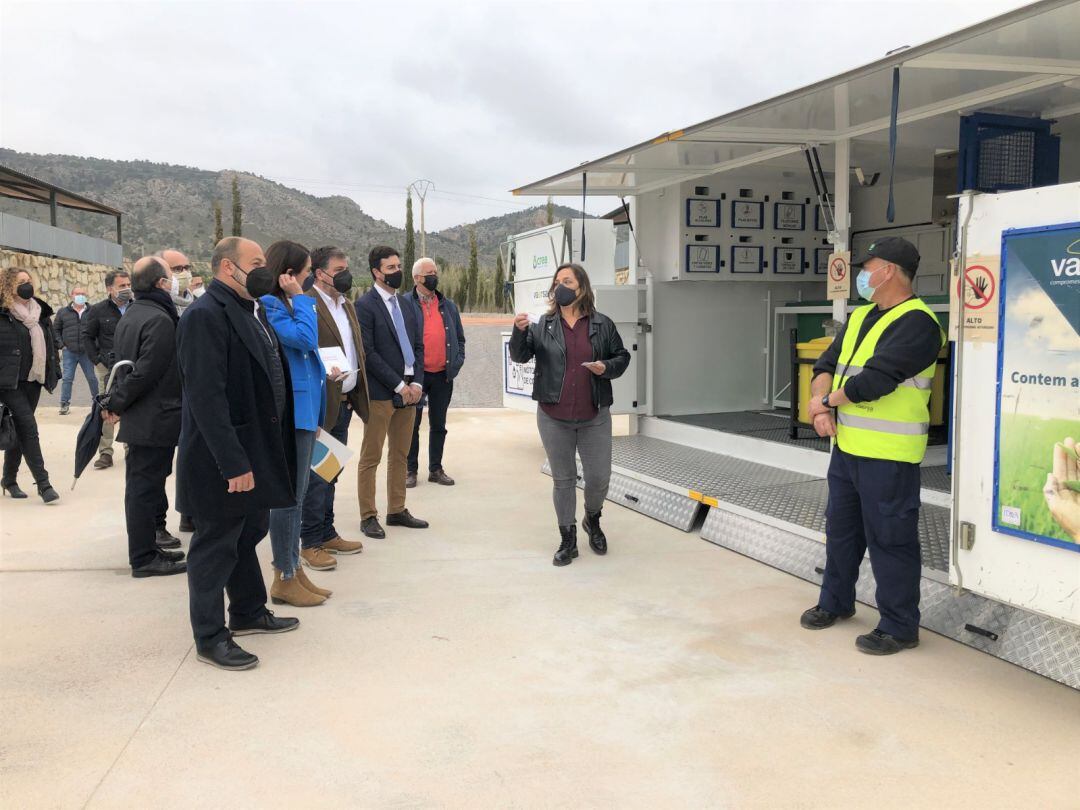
181, 273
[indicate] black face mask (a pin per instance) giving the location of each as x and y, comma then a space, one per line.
258, 281
564, 296
309, 282
25, 291
431, 282
393, 280
343, 281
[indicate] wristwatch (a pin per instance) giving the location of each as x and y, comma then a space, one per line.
825, 401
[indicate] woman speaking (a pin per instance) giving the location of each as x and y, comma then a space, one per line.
578, 352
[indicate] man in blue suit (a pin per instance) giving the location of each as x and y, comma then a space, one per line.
394, 342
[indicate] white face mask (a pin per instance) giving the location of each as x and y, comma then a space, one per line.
198, 291
174, 286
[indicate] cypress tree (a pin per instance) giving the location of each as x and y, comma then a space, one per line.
219, 231
500, 282
410, 245
550, 211
237, 209
474, 271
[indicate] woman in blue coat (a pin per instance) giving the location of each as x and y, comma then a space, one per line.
292, 315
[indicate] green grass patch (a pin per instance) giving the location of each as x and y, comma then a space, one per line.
1027, 456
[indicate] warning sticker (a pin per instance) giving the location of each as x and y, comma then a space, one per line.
978, 289
839, 284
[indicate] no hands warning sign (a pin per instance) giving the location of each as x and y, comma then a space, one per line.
978, 288
840, 276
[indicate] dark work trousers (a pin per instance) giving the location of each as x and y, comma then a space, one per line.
146, 469
874, 504
317, 520
222, 559
23, 401
439, 390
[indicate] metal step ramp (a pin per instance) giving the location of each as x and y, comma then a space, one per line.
777, 517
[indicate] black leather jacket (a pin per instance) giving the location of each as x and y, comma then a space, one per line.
99, 328
15, 351
544, 341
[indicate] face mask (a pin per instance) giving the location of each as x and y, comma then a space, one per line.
309, 282
25, 291
124, 295
198, 291
182, 281
564, 296
258, 281
343, 282
431, 282
80, 300
174, 286
862, 284
393, 280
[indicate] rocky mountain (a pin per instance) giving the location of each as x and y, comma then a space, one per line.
167, 205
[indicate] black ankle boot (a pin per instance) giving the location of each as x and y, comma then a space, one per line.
48, 494
13, 490
568, 550
597, 539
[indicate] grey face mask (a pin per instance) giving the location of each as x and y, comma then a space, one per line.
125, 295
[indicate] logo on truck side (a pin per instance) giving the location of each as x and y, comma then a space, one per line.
1068, 265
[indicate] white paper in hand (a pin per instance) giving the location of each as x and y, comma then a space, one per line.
329, 456
334, 356
534, 319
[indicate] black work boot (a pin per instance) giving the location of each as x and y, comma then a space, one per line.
590, 524
568, 549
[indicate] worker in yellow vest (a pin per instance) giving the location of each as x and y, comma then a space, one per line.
871, 391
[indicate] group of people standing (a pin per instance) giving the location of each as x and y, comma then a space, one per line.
232, 376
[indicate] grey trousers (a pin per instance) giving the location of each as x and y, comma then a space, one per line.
563, 441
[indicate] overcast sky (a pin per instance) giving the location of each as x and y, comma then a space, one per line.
363, 98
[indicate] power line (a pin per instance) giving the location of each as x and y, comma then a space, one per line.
380, 188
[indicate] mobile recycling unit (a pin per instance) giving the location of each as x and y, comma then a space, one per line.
743, 229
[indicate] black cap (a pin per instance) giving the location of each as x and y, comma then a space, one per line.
892, 249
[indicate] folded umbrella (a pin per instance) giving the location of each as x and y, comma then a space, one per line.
86, 444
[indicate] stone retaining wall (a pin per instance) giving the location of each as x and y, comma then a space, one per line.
54, 278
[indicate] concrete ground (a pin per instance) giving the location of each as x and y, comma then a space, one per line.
456, 667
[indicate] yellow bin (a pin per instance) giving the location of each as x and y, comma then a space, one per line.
812, 350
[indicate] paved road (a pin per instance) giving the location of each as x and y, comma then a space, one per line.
478, 386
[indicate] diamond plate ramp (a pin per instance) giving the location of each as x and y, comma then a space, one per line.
661, 504
1042, 645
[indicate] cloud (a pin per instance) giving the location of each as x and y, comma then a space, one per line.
362, 98
1043, 326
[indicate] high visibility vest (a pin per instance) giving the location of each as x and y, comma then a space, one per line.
895, 427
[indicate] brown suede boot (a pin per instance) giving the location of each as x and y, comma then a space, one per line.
311, 586
292, 592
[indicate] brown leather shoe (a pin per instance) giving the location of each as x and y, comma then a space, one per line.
292, 592
342, 546
301, 575
103, 463
440, 477
318, 559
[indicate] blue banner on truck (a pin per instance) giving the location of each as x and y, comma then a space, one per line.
1037, 451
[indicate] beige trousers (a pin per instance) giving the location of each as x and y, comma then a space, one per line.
105, 448
397, 423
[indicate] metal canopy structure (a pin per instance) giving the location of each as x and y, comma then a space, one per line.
18, 186
1024, 63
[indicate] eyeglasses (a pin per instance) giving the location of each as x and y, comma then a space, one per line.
181, 268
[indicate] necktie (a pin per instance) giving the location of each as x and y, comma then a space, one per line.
402, 335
